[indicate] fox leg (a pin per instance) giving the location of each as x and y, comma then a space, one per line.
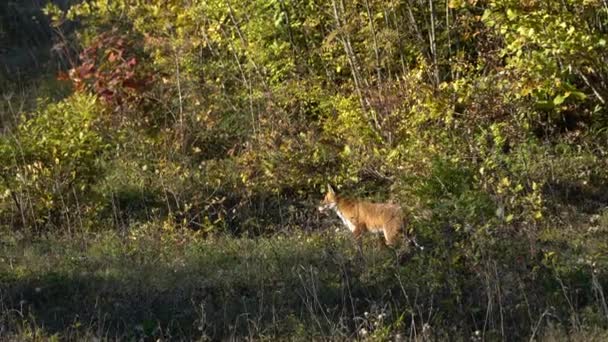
389, 239
391, 236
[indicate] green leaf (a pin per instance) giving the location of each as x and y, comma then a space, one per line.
511, 14
579, 95
347, 150
559, 99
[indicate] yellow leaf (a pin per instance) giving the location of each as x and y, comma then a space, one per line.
534, 186
455, 3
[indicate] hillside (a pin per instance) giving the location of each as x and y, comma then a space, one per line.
161, 164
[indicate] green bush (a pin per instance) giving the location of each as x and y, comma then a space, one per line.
292, 95
50, 163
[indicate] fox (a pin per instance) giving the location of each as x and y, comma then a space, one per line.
361, 216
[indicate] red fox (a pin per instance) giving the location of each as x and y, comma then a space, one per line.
361, 216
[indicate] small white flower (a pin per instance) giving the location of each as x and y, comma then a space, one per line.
477, 333
366, 314
363, 332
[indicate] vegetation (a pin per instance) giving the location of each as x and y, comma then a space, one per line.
161, 162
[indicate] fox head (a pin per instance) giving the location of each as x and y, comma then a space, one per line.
329, 202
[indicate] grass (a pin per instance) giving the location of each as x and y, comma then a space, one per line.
141, 284
156, 282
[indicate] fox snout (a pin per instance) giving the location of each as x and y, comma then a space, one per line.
326, 206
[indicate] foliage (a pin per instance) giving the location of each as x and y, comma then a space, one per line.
485, 119
242, 112
556, 51
50, 163
108, 67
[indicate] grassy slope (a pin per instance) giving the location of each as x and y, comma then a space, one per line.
156, 282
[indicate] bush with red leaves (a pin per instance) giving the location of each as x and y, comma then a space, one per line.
111, 68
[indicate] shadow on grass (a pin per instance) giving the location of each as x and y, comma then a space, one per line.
309, 286
215, 290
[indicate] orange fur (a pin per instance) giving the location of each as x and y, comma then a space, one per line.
362, 216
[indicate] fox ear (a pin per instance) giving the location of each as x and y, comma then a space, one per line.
330, 189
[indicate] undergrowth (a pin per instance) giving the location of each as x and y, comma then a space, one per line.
155, 282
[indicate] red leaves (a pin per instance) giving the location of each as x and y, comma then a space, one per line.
133, 84
86, 70
112, 57
110, 68
106, 94
132, 62
63, 76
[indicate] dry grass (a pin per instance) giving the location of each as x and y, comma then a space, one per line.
167, 284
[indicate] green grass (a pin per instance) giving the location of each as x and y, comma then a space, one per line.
156, 282
106, 285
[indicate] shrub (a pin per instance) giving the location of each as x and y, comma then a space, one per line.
50, 163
